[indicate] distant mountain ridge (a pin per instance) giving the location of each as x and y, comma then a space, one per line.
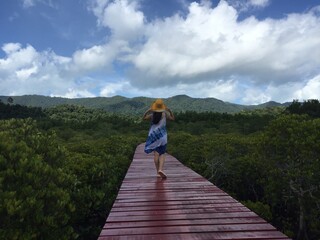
138, 105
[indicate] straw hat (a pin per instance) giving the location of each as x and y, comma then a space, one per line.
158, 106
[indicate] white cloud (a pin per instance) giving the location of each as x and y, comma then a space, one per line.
206, 52
254, 96
32, 3
98, 57
28, 3
75, 93
25, 71
247, 5
121, 16
183, 48
287, 92
311, 90
11, 47
212, 44
93, 58
17, 57
112, 89
259, 3
227, 90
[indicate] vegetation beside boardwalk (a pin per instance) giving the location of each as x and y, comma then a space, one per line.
61, 167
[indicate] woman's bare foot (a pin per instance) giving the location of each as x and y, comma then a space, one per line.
162, 174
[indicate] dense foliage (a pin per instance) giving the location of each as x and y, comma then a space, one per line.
59, 174
273, 169
290, 150
35, 187
310, 107
60, 168
8, 111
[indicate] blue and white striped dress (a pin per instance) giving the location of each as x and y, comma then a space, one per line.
157, 137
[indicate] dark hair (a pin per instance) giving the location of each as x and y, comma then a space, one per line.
156, 117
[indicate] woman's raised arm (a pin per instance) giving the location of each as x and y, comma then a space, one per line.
170, 116
147, 115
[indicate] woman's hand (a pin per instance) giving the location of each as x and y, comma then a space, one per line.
170, 116
147, 114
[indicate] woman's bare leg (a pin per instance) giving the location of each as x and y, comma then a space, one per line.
156, 160
162, 158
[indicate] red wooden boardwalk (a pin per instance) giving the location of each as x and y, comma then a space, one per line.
183, 206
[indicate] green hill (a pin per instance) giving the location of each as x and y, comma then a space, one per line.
137, 105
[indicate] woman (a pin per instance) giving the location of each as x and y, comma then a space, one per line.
157, 137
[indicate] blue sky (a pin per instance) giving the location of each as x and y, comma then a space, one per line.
247, 52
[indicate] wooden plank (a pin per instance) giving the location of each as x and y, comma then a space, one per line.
185, 229
179, 216
260, 235
183, 222
174, 201
183, 206
174, 197
211, 213
161, 201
